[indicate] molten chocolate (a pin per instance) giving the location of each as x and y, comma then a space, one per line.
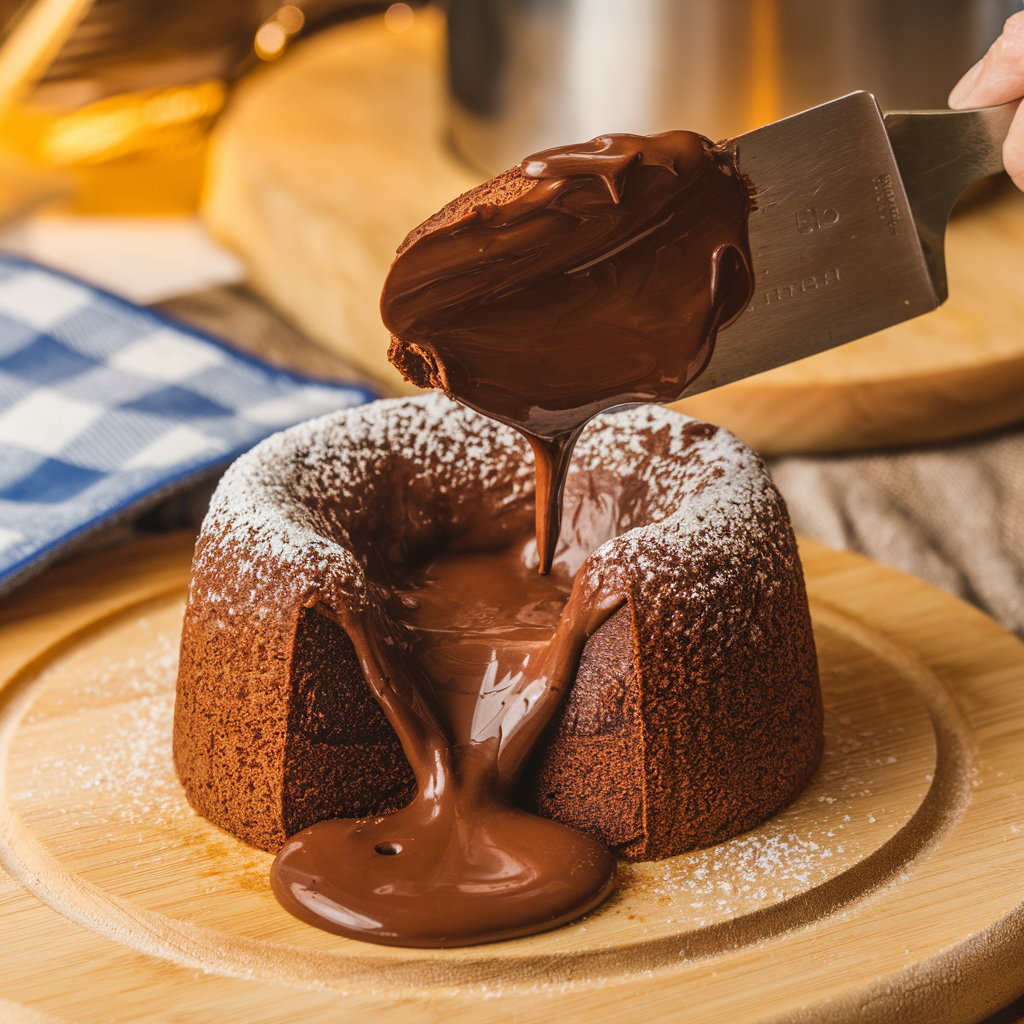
470, 661
355, 567
602, 281
590, 277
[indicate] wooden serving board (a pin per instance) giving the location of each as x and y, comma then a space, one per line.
325, 160
890, 890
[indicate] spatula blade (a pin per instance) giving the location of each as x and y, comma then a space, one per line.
836, 253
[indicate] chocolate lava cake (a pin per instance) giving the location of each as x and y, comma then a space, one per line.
695, 713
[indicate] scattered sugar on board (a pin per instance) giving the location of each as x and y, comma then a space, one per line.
122, 764
128, 758
798, 849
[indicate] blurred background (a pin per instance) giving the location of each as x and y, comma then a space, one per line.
122, 122
249, 168
111, 102
526, 75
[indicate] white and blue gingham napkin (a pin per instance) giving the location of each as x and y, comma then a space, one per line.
105, 407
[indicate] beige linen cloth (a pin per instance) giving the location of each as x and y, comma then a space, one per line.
950, 514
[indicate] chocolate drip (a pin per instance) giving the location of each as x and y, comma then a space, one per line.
598, 279
590, 277
469, 657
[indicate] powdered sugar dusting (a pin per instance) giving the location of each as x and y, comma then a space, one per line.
123, 708
298, 501
291, 518
700, 488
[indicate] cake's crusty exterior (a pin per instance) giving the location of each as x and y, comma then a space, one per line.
696, 711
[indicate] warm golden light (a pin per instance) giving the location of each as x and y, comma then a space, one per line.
270, 40
765, 101
290, 18
399, 18
150, 121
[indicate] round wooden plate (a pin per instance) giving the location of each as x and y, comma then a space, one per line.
890, 890
324, 161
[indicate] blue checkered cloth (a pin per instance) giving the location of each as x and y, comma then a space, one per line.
106, 408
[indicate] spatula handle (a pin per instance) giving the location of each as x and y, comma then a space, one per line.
940, 153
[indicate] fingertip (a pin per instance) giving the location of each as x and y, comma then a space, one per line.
1013, 160
999, 76
962, 89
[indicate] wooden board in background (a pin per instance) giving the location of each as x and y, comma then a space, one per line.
320, 167
890, 890
327, 159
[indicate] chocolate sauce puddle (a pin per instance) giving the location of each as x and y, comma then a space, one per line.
469, 658
590, 277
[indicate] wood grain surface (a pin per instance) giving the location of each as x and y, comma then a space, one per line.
890, 890
325, 160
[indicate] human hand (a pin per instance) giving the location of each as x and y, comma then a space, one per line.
998, 78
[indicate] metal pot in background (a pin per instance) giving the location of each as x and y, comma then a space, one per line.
526, 75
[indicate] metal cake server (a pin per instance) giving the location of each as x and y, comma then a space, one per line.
847, 237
